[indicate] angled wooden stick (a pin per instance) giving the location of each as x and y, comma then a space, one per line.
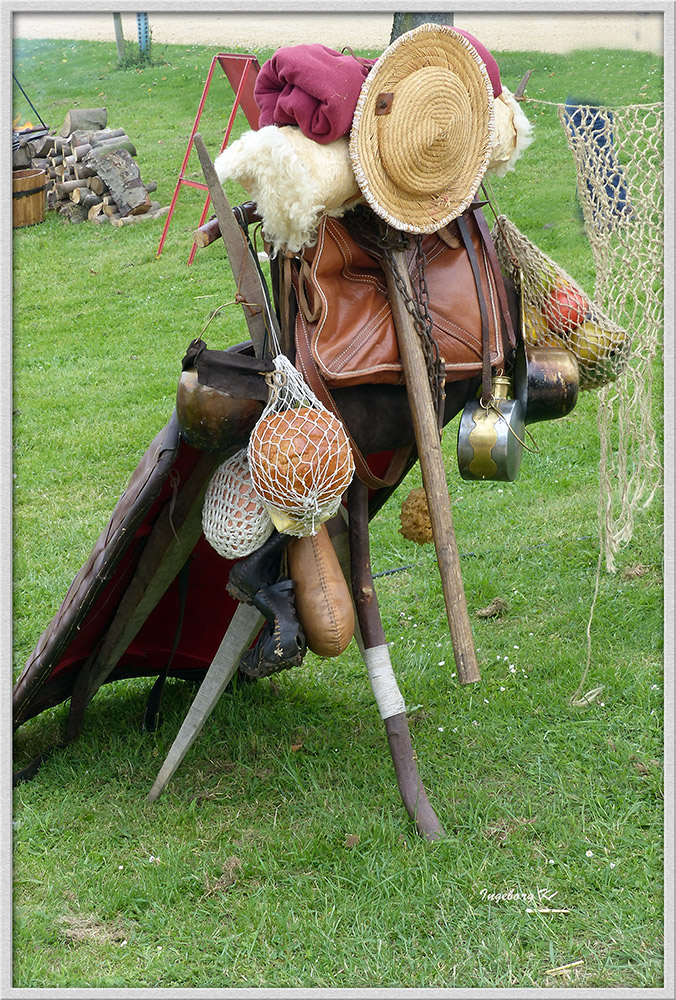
242, 630
376, 655
427, 439
247, 278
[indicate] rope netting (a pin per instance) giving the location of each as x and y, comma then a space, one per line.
615, 332
299, 455
234, 520
619, 158
557, 312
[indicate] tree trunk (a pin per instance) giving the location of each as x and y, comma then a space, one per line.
67, 187
85, 118
83, 170
155, 213
95, 212
120, 142
43, 146
207, 233
96, 184
119, 37
72, 212
122, 175
85, 197
406, 22
81, 135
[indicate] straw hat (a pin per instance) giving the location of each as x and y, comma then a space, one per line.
423, 129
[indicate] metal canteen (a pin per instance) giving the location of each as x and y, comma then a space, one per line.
546, 382
490, 439
211, 419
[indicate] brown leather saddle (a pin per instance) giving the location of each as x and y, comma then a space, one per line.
346, 319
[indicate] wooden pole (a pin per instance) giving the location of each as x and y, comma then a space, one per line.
375, 651
427, 438
172, 539
244, 270
242, 630
401, 23
119, 36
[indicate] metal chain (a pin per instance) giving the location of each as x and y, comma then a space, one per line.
418, 308
377, 237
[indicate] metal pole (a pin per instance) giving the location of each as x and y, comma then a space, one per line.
143, 32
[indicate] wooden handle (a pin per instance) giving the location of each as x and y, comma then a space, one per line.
243, 267
426, 431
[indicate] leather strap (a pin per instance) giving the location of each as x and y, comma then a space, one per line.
314, 379
507, 325
483, 309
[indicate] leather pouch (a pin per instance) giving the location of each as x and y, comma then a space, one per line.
323, 602
348, 319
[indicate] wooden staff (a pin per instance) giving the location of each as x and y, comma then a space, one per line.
243, 267
375, 652
426, 430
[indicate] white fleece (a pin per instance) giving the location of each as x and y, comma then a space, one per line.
292, 179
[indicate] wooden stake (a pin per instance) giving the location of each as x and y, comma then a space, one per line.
84, 118
242, 630
246, 276
428, 442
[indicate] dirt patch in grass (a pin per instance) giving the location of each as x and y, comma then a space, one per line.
80, 928
230, 869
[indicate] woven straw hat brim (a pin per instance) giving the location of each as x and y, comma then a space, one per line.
394, 185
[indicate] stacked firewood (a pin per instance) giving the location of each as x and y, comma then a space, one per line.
91, 171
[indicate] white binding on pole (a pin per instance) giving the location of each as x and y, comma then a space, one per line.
383, 682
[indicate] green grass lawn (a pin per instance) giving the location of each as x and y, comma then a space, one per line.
280, 854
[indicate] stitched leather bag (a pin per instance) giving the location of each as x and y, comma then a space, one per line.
346, 317
323, 602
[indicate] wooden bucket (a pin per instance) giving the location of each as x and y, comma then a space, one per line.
28, 197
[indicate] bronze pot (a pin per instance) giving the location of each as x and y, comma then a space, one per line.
546, 382
211, 419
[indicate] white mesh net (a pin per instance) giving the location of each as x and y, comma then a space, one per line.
234, 520
619, 161
299, 455
619, 157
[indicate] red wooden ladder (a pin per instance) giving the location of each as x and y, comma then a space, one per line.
241, 71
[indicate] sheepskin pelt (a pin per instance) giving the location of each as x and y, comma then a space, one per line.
513, 134
293, 181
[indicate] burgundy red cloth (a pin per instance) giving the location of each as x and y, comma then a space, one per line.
313, 87
317, 88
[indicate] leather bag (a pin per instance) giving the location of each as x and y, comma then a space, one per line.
346, 317
323, 602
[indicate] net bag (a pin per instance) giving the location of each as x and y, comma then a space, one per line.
234, 520
557, 312
299, 455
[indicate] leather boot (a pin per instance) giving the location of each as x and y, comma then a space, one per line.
259, 570
281, 643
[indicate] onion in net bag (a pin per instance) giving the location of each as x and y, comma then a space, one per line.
234, 520
299, 455
557, 312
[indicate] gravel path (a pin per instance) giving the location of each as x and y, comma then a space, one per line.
545, 32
